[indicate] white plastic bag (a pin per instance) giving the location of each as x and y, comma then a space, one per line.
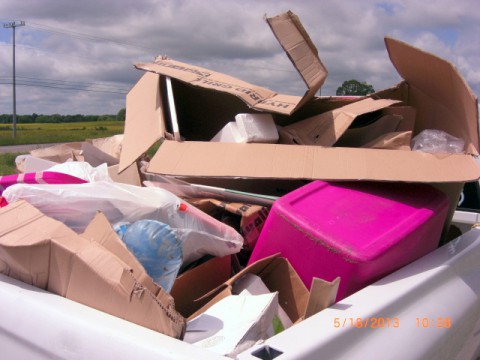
76, 205
83, 170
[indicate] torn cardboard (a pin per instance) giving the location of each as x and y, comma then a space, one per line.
43, 252
111, 145
146, 124
362, 136
299, 48
431, 86
131, 175
198, 281
95, 157
146, 114
59, 153
326, 128
279, 276
429, 102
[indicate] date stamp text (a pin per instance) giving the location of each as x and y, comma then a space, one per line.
391, 322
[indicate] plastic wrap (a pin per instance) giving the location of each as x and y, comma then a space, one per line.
437, 141
76, 205
83, 170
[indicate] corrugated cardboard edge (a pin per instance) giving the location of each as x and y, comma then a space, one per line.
429, 74
48, 254
130, 175
326, 129
58, 153
322, 295
293, 38
301, 51
263, 268
95, 157
198, 281
99, 230
144, 123
276, 161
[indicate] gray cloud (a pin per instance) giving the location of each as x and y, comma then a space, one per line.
97, 43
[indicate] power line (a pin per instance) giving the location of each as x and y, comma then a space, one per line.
67, 82
13, 25
90, 37
65, 87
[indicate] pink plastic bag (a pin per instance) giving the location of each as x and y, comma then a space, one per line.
41, 177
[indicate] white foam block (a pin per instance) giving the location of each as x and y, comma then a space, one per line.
229, 133
257, 128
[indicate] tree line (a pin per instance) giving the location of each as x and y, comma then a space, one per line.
58, 118
349, 87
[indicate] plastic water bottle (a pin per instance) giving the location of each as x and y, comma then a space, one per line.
156, 247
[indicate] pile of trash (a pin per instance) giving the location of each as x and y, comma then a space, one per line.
154, 237
249, 189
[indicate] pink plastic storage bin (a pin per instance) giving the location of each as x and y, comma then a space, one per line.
360, 231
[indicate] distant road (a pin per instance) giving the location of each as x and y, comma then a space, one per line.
22, 148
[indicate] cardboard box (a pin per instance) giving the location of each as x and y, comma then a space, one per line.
431, 86
198, 281
60, 152
278, 275
95, 269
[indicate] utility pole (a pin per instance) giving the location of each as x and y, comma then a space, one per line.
13, 25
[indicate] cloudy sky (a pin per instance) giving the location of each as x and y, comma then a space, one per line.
76, 57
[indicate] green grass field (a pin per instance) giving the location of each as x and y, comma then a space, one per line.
52, 133
7, 163
58, 132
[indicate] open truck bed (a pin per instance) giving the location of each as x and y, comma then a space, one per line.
429, 309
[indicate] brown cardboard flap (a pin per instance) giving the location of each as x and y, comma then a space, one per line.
299, 48
297, 44
278, 275
276, 161
440, 94
130, 175
58, 153
358, 137
322, 295
46, 253
397, 140
326, 128
144, 125
196, 282
256, 97
100, 231
95, 157
434, 94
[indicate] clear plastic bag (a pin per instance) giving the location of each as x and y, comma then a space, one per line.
76, 205
437, 141
157, 248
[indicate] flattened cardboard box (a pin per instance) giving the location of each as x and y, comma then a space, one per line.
96, 269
